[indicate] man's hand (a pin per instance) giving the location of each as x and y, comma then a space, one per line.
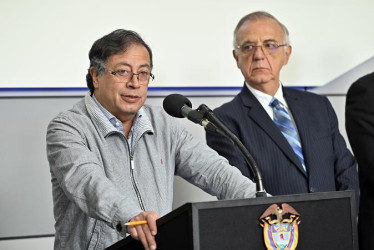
146, 232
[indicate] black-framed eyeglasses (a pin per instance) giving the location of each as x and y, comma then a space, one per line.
126, 76
267, 47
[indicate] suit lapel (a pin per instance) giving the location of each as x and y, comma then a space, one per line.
257, 113
298, 109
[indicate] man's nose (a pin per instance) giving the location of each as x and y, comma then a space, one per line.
134, 81
258, 54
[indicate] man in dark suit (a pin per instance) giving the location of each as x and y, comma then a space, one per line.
359, 122
315, 158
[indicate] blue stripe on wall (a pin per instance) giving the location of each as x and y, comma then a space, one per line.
152, 91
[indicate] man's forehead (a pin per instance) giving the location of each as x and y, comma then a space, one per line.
126, 64
265, 29
133, 49
129, 56
260, 20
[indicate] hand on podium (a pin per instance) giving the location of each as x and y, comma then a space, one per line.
143, 227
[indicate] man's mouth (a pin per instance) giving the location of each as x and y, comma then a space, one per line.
130, 98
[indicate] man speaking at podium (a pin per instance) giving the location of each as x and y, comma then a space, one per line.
112, 158
292, 135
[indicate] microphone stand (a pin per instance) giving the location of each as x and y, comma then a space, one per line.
223, 130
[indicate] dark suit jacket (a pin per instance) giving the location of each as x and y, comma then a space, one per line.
359, 123
330, 164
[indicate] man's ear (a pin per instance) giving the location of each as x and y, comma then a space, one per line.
236, 57
287, 54
95, 77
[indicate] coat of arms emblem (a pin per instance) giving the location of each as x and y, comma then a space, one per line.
280, 227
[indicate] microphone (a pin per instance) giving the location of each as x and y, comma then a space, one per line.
208, 114
179, 106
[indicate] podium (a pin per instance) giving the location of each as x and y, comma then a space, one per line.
327, 221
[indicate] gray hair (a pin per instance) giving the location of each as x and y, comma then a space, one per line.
258, 15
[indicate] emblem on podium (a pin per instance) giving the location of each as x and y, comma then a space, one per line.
280, 227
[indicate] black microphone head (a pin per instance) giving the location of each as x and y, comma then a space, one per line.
173, 104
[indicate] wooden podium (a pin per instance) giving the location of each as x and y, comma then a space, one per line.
328, 222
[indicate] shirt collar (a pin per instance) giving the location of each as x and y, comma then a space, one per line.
109, 123
266, 98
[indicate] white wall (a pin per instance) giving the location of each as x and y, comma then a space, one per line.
45, 243
45, 42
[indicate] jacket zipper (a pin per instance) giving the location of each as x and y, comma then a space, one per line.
132, 166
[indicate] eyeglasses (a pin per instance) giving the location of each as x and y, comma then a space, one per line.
267, 47
126, 76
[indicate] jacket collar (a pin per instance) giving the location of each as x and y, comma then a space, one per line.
106, 127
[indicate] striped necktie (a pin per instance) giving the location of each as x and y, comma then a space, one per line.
283, 121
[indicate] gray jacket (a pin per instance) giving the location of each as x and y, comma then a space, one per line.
97, 183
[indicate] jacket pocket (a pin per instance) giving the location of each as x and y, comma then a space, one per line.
95, 237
